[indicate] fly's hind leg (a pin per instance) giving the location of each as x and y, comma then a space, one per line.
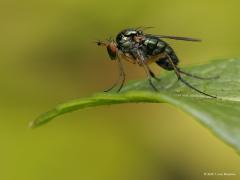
197, 77
185, 82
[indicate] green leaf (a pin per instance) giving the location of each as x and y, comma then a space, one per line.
221, 115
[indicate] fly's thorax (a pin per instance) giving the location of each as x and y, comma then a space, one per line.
128, 37
128, 33
126, 44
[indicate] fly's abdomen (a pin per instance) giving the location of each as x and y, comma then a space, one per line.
164, 62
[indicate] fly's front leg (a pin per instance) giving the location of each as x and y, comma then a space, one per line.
120, 77
122, 73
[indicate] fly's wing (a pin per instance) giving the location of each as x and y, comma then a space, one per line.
177, 38
144, 27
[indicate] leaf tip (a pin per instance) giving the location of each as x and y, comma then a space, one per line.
32, 125
44, 118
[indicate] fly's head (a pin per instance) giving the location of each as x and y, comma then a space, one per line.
111, 48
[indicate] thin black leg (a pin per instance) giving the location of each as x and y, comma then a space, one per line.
153, 75
152, 85
147, 70
197, 77
122, 84
145, 67
185, 82
190, 86
121, 76
114, 85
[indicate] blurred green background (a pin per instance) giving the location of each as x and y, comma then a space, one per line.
47, 57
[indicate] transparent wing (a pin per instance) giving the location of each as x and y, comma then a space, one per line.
177, 38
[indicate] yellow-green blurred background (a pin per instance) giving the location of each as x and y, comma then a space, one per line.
47, 57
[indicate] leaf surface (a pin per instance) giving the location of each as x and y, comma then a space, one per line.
221, 115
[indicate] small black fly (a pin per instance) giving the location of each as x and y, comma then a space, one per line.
135, 46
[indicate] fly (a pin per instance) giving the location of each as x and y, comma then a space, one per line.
137, 47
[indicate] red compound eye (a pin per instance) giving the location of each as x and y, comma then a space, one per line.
112, 50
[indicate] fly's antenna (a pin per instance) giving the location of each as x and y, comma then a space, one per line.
100, 43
